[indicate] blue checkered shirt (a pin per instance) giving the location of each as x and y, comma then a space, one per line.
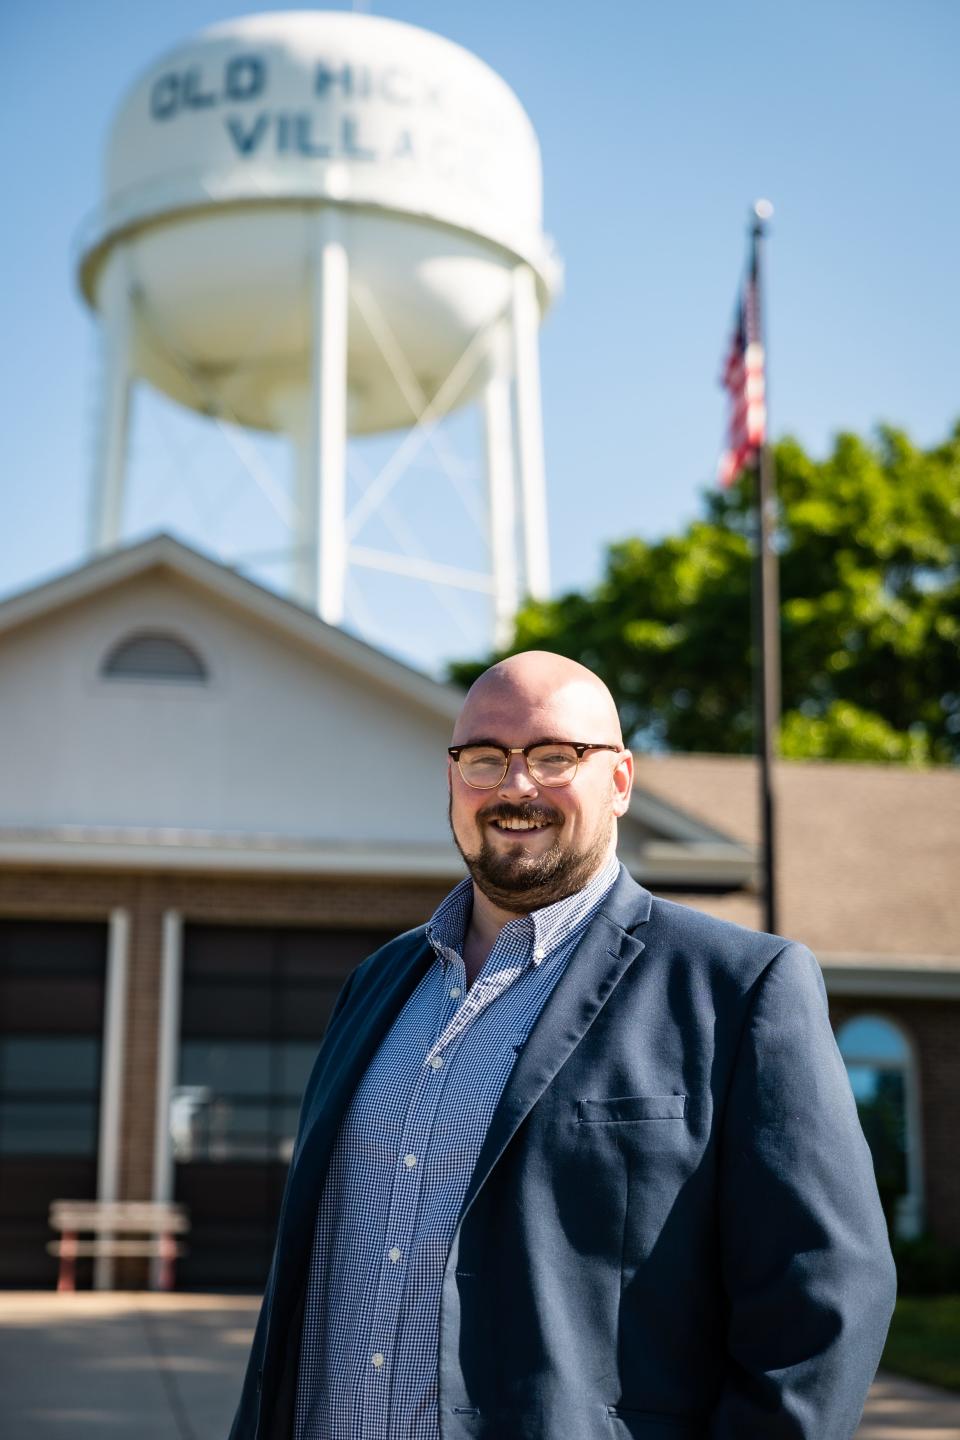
401, 1165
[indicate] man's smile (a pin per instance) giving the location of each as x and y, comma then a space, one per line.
516, 824
507, 820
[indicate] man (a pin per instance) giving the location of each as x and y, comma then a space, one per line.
573, 1162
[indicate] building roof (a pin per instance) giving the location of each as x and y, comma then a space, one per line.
867, 854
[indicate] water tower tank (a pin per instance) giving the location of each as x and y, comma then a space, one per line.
324, 223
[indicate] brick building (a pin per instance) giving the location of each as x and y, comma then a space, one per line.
212, 805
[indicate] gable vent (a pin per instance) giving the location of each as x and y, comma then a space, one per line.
153, 655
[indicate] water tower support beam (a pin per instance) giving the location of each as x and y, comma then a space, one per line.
498, 434
322, 498
525, 321
110, 456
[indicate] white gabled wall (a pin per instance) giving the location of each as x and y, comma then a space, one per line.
280, 740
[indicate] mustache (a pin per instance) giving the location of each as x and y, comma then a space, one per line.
520, 812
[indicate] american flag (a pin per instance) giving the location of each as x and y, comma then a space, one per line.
743, 380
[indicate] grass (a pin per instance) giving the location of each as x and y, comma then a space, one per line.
924, 1340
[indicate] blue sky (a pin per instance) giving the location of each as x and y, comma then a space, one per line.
659, 125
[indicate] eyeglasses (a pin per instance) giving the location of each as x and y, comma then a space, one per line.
554, 763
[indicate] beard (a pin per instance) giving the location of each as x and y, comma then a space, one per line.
519, 882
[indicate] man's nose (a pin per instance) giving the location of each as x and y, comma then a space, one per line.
518, 783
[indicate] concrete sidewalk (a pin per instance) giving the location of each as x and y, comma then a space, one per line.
121, 1366
168, 1367
899, 1409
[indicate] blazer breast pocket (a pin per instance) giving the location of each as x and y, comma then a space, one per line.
626, 1109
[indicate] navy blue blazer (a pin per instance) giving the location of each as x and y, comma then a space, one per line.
673, 1227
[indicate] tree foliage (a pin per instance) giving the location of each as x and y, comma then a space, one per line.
869, 545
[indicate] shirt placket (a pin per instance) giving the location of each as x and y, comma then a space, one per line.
374, 1393
506, 961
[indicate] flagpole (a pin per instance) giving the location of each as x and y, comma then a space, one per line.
767, 611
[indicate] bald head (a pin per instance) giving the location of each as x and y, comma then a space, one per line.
538, 689
527, 842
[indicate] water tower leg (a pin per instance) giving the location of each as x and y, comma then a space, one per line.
294, 419
116, 308
498, 433
326, 447
525, 324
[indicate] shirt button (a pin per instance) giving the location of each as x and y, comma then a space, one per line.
455, 993
394, 1254
409, 1161
377, 1360
436, 1062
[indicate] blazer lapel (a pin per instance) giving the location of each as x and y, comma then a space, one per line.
596, 966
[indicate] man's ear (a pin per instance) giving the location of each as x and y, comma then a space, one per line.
622, 783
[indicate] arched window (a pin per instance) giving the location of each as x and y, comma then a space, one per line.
153, 655
882, 1073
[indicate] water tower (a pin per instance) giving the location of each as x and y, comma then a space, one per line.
324, 224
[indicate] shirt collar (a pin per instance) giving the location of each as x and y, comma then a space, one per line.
542, 929
448, 924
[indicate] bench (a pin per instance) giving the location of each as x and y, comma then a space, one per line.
122, 1229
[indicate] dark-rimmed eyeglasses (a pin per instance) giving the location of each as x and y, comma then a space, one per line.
550, 763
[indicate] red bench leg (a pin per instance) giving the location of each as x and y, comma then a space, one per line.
168, 1253
67, 1278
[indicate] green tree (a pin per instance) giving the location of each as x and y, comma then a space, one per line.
869, 544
